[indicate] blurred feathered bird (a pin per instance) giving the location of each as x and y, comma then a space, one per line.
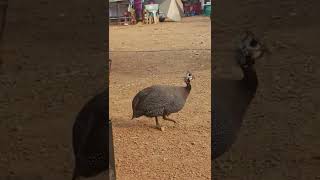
231, 98
90, 137
161, 100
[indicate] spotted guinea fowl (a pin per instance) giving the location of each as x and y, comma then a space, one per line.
90, 137
231, 98
161, 100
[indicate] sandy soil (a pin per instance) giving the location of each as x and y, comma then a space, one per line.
182, 151
280, 136
51, 65
279, 139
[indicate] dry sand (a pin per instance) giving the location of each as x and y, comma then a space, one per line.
182, 151
280, 135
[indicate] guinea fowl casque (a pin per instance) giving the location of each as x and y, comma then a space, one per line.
161, 100
231, 98
90, 138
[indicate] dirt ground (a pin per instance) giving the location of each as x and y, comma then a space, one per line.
53, 62
279, 139
280, 135
182, 151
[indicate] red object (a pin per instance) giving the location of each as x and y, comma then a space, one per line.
189, 8
197, 8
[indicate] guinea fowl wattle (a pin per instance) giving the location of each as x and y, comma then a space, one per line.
231, 98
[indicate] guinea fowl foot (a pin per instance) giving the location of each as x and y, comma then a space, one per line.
158, 125
161, 128
168, 119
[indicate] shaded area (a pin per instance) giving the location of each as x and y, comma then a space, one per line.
53, 63
279, 137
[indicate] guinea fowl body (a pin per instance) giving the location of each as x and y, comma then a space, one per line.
161, 100
231, 98
90, 138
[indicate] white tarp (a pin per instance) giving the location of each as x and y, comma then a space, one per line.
172, 9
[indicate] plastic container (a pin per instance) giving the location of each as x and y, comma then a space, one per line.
207, 10
152, 7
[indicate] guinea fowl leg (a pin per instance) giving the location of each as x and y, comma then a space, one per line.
158, 124
168, 119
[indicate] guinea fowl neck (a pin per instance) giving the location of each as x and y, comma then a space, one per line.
250, 78
187, 89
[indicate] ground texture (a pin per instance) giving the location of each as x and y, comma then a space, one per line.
280, 135
52, 63
42, 91
182, 151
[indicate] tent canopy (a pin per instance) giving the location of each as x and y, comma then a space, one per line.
172, 9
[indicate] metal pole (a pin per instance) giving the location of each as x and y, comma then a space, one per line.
112, 167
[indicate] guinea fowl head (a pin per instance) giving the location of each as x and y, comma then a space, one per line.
188, 77
250, 50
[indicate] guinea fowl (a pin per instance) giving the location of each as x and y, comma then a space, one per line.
161, 100
231, 98
90, 137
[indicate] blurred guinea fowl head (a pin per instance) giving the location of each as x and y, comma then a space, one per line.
250, 49
188, 77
